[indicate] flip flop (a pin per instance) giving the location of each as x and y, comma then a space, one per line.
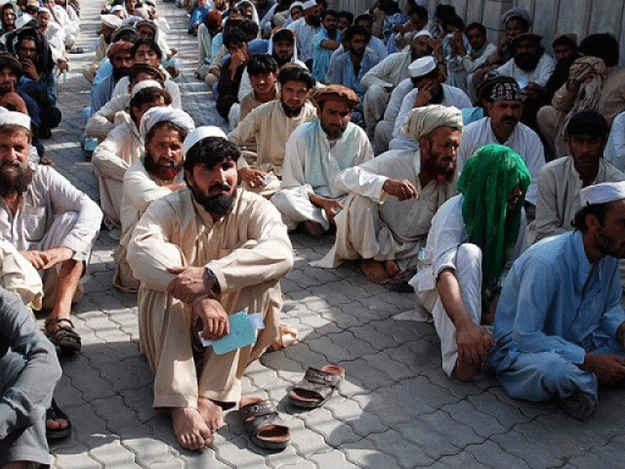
54, 413
316, 387
263, 424
63, 335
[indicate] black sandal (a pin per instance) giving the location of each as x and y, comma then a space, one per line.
63, 335
263, 424
54, 413
316, 387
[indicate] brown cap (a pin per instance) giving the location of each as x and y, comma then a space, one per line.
145, 68
117, 47
536, 37
7, 60
336, 91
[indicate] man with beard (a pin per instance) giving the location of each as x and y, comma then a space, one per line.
270, 126
560, 326
348, 68
122, 147
315, 153
504, 109
394, 196
426, 89
204, 253
49, 221
121, 59
561, 180
474, 238
326, 41
37, 80
305, 30
109, 23
157, 173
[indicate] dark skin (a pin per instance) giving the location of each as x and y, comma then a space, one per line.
586, 152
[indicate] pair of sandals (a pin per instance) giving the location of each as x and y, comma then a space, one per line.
63, 335
260, 416
56, 434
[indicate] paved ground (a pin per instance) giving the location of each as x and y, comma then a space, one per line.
396, 408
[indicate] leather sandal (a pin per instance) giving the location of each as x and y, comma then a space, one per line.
263, 424
63, 335
54, 413
316, 387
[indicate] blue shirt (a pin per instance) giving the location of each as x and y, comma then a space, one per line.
341, 71
321, 56
198, 15
555, 300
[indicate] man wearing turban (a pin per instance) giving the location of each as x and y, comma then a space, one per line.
393, 197
473, 240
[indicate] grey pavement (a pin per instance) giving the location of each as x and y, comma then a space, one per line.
395, 409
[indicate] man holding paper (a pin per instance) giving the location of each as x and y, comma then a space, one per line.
201, 254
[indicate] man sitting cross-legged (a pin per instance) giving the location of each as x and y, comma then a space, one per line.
474, 238
393, 197
49, 221
204, 253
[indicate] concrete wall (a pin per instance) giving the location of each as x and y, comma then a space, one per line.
582, 17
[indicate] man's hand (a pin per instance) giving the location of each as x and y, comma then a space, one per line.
608, 367
62, 64
473, 344
29, 69
425, 94
330, 206
190, 283
254, 177
214, 318
43, 260
534, 90
238, 59
400, 188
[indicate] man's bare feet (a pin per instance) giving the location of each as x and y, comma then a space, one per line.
392, 269
375, 271
465, 371
211, 413
190, 429
314, 229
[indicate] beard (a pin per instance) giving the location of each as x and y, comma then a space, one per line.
165, 170
120, 73
527, 62
441, 171
14, 177
291, 112
314, 21
218, 204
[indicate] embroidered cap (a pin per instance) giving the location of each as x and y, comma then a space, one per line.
422, 66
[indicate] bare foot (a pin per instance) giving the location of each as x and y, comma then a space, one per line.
374, 271
392, 269
314, 229
190, 429
211, 413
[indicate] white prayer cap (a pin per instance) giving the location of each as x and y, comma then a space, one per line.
143, 84
14, 118
422, 32
23, 20
422, 66
164, 114
602, 193
117, 8
112, 21
200, 134
296, 4
43, 10
309, 4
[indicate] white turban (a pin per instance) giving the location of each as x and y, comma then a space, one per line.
143, 84
164, 114
602, 193
112, 21
14, 118
200, 134
423, 120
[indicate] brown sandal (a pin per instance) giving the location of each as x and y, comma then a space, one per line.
316, 387
63, 335
263, 424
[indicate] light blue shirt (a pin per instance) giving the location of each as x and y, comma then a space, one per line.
341, 71
321, 56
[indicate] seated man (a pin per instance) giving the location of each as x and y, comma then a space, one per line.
194, 260
49, 221
119, 54
53, 32
29, 371
326, 41
270, 126
393, 197
474, 238
227, 101
504, 108
262, 72
315, 153
560, 325
157, 173
122, 148
615, 148
109, 24
561, 180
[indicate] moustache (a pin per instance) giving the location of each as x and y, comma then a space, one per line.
223, 187
512, 120
13, 164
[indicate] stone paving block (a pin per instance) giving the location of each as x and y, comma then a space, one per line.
76, 461
483, 424
560, 441
459, 434
491, 455
365, 455
598, 458
115, 412
333, 350
302, 354
85, 422
237, 452
359, 373
463, 459
384, 362
504, 414
332, 459
530, 409
205, 460
66, 395
174, 464
140, 401
379, 341
348, 341
114, 454
334, 431
91, 385
407, 454
433, 443
348, 411
150, 451
515, 443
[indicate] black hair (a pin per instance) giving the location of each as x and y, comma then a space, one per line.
456, 22
250, 29
233, 37
149, 42
479, 26
364, 16
588, 123
148, 95
354, 31
209, 152
420, 11
296, 73
261, 63
331, 13
347, 14
444, 11
284, 35
563, 41
598, 210
604, 46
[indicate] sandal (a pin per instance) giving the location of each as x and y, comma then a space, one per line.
263, 424
62, 334
316, 387
54, 413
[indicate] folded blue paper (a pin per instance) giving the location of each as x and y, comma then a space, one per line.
242, 333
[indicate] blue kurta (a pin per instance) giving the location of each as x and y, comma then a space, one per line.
555, 307
341, 72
